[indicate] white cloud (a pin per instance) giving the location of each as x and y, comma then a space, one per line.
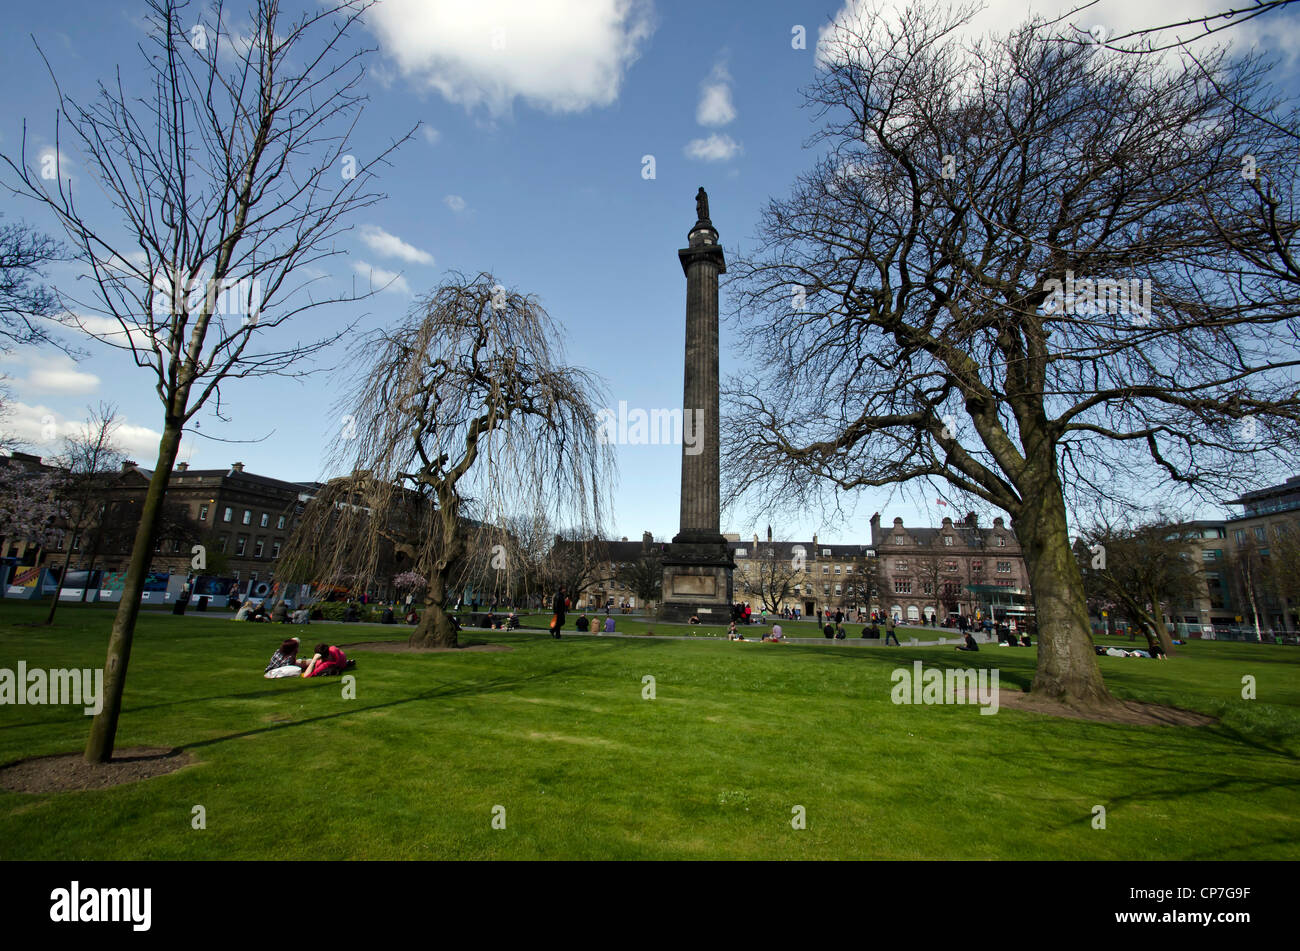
556, 55
431, 135
391, 246
53, 373
716, 107
455, 203
382, 280
716, 148
110, 331
43, 429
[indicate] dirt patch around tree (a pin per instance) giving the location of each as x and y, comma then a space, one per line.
68, 772
1128, 712
401, 647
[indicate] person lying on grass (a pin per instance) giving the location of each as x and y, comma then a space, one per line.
285, 662
327, 660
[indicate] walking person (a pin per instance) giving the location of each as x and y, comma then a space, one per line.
891, 631
557, 609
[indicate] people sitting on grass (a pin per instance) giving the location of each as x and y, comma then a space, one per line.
776, 635
694, 620
582, 624
839, 631
280, 612
387, 616
731, 632
301, 616
828, 631
512, 621
351, 614
327, 660
872, 630
245, 611
285, 662
412, 617
1024, 640
609, 625
970, 644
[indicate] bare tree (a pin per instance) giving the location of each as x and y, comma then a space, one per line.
1139, 567
1176, 35
466, 412
1001, 275
231, 175
769, 576
26, 302
89, 456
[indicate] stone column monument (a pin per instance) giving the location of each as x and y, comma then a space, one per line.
698, 565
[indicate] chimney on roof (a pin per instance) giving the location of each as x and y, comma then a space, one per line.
814, 539
237, 467
623, 539
646, 539
129, 465
182, 466
970, 519
756, 539
769, 534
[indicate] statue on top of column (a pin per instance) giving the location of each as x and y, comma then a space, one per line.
702, 204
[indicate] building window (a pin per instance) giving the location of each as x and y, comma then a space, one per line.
826, 569
248, 516
225, 539
257, 549
900, 564
1005, 582
837, 590
741, 552
240, 544
275, 549
902, 586
1241, 536
76, 543
265, 519
1004, 567
947, 540
203, 513
1260, 534
977, 566
826, 552
837, 569
826, 589
848, 569
927, 588
1209, 554
227, 514
950, 566
252, 576
1001, 541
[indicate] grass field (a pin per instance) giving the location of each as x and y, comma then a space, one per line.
558, 733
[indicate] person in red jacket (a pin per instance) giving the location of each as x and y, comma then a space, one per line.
327, 660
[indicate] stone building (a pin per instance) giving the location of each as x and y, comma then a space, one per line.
957, 568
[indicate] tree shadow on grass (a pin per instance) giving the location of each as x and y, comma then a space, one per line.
444, 691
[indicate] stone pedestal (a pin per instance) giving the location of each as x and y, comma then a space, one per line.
698, 565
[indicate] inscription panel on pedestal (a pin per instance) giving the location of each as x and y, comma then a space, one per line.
697, 585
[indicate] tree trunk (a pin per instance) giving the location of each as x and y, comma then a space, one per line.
1067, 665
435, 628
103, 731
1162, 629
67, 560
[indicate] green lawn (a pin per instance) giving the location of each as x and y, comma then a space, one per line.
557, 732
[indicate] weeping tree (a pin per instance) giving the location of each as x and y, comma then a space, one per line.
1031, 271
466, 416
228, 173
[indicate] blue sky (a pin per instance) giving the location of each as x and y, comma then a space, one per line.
536, 119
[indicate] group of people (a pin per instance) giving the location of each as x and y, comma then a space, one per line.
775, 636
280, 613
587, 625
1156, 651
325, 660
